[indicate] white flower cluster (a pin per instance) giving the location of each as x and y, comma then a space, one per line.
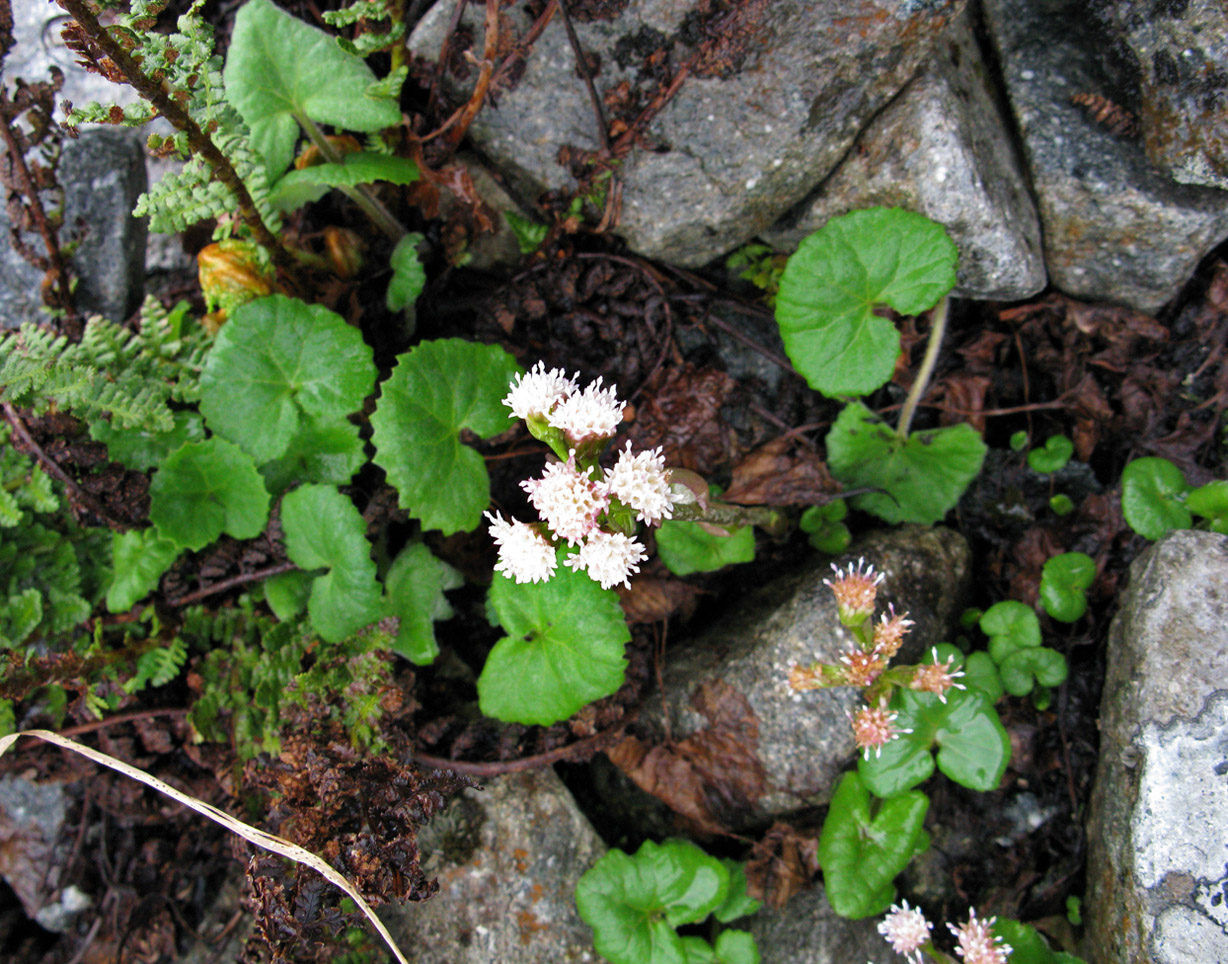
581, 415
569, 500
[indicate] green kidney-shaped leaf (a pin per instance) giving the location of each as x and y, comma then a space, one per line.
832, 283
287, 593
139, 557
204, 489
280, 70
563, 648
436, 389
973, 748
324, 530
634, 903
736, 947
1010, 626
275, 361
297, 188
685, 547
1027, 946
738, 903
1211, 502
922, 477
981, 672
1047, 666
1056, 453
414, 589
324, 451
1151, 497
861, 855
1063, 585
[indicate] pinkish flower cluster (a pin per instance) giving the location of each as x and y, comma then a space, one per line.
573, 497
908, 932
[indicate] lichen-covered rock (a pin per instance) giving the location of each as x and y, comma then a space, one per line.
34, 844
726, 689
507, 859
942, 149
807, 931
1158, 834
774, 94
1115, 229
1179, 50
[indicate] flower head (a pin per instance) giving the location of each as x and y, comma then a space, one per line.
533, 395
906, 930
567, 500
889, 633
640, 482
976, 942
937, 677
803, 678
855, 591
591, 414
873, 728
608, 557
861, 668
524, 554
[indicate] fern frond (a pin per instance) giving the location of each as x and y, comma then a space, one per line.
10, 510
128, 405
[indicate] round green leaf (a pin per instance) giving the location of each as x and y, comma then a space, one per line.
822, 523
633, 904
738, 903
860, 856
1061, 504
329, 452
324, 530
922, 477
1019, 441
1063, 585
204, 489
736, 947
1211, 502
1151, 497
563, 648
414, 588
275, 361
287, 593
1056, 453
981, 672
1046, 665
1027, 946
835, 279
686, 547
139, 557
1010, 625
279, 68
436, 389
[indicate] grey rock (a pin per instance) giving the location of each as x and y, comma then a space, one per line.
807, 931
804, 740
507, 859
732, 154
942, 149
1158, 832
33, 843
1115, 229
102, 173
1179, 50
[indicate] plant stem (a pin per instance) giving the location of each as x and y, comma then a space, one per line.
938, 325
368, 202
771, 520
198, 140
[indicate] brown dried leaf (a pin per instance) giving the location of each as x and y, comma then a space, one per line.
681, 413
782, 864
782, 472
668, 777
651, 600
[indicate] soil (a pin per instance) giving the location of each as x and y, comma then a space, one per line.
1119, 383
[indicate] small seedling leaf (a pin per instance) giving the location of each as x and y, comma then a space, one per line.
408, 275
1211, 502
1151, 497
415, 587
825, 528
280, 69
685, 547
860, 854
1027, 946
833, 282
563, 648
1063, 585
1010, 626
634, 903
139, 557
324, 530
204, 489
1053, 456
436, 389
921, 478
1047, 666
275, 361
